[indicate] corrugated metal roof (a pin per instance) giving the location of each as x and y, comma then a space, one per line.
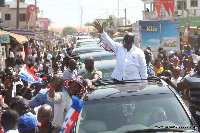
20, 32
13, 4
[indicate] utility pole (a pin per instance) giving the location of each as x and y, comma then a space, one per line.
125, 16
36, 9
81, 16
118, 14
17, 24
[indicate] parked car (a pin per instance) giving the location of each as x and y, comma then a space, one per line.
87, 44
83, 50
118, 39
76, 38
105, 66
85, 40
98, 56
134, 108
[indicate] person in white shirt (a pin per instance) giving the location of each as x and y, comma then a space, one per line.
62, 100
131, 63
71, 71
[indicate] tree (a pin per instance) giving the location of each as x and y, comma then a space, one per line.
89, 24
68, 31
128, 21
110, 21
49, 21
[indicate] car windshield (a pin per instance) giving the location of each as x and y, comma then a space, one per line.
135, 112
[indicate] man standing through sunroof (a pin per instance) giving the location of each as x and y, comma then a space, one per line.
131, 63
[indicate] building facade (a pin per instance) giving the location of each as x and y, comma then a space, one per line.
9, 16
182, 8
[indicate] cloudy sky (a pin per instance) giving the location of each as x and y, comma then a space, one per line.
68, 12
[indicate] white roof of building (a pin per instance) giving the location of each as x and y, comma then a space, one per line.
13, 4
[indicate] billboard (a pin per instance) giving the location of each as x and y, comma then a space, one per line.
160, 33
42, 24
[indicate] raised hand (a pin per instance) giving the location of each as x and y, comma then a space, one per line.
98, 26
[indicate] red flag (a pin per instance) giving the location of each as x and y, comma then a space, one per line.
171, 6
29, 10
166, 5
158, 4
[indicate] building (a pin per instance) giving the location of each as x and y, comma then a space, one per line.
9, 15
182, 8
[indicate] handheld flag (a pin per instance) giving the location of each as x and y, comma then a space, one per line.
72, 114
27, 75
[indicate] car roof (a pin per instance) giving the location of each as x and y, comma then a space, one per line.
129, 89
86, 40
87, 49
95, 54
89, 45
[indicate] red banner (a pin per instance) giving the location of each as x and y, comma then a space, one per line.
158, 4
42, 24
171, 6
29, 10
168, 4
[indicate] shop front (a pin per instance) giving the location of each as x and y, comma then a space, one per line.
190, 31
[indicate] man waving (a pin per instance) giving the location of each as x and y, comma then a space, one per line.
131, 63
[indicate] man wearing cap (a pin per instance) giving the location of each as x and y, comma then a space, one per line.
62, 100
27, 123
131, 63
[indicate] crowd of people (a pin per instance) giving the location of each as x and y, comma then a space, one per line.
36, 107
41, 107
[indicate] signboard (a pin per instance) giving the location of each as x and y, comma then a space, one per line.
159, 33
192, 21
5, 38
42, 24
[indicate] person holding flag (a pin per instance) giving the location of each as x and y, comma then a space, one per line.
63, 101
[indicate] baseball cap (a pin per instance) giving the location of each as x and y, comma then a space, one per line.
27, 122
77, 80
170, 53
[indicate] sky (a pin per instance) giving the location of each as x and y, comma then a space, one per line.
68, 12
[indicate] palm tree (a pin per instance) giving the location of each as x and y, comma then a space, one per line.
110, 21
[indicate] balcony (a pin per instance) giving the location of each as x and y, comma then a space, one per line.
150, 15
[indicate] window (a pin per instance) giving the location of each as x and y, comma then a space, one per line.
7, 17
181, 5
22, 17
194, 3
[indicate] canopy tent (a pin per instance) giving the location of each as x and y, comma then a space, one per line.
118, 34
19, 38
27, 33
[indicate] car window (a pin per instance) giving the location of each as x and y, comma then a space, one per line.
121, 114
106, 73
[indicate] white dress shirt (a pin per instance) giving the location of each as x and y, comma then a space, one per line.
62, 102
69, 74
130, 64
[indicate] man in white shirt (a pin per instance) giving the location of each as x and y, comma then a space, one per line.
131, 63
71, 71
